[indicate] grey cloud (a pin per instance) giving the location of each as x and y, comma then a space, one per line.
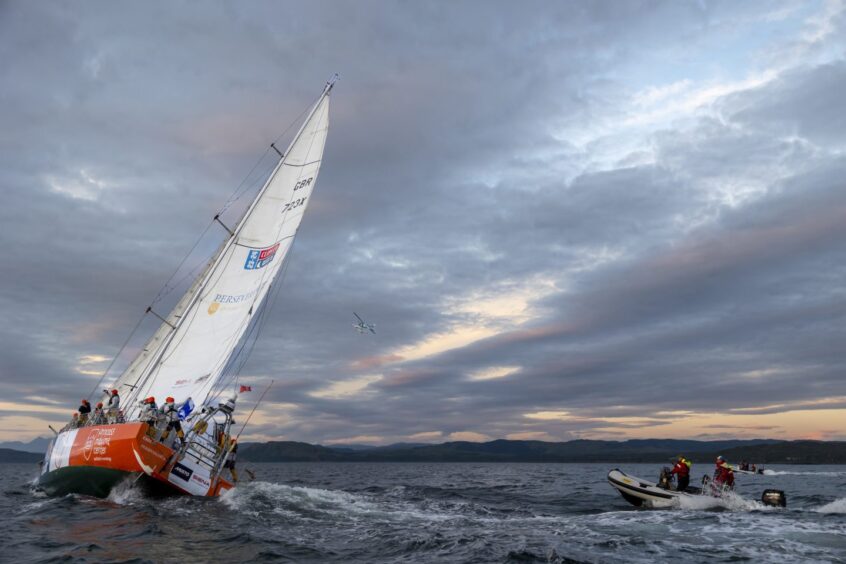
442, 175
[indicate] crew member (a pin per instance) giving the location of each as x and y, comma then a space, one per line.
84, 410
114, 406
682, 472
171, 415
98, 418
230, 460
73, 423
150, 414
724, 474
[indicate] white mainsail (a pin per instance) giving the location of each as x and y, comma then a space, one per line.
187, 355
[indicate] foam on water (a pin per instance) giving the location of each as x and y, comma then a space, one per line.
125, 493
34, 506
314, 503
247, 496
836, 506
729, 500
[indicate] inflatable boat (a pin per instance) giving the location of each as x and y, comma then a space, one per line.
643, 493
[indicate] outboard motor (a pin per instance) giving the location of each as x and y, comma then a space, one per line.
665, 478
774, 498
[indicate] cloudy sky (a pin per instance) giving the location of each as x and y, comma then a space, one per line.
567, 220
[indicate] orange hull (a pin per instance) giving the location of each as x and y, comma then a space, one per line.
126, 448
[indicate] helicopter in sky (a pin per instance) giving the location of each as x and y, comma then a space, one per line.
362, 326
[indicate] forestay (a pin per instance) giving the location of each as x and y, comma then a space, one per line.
187, 354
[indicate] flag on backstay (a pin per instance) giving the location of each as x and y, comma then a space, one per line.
185, 409
245, 389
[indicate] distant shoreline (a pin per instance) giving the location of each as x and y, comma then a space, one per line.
762, 452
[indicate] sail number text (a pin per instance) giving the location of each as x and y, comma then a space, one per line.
294, 204
303, 183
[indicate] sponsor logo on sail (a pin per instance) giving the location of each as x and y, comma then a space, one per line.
259, 258
226, 299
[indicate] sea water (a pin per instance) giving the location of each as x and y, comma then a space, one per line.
439, 512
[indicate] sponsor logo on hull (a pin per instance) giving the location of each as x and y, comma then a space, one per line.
191, 477
126, 447
181, 472
117, 447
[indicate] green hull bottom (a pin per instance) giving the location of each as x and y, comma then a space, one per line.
86, 480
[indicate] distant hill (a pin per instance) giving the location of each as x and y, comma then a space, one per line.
289, 451
791, 452
35, 445
393, 446
9, 455
761, 451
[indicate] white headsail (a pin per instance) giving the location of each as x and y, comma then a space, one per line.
188, 353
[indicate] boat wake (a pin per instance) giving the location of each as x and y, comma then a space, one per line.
263, 498
397, 504
730, 501
837, 506
768, 472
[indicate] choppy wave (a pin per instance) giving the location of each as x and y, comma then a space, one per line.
431, 513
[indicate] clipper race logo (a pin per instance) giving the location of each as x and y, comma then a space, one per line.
259, 258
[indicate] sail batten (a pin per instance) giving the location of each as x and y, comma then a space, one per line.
213, 315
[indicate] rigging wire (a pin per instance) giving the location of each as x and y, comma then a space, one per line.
232, 199
123, 346
250, 416
165, 290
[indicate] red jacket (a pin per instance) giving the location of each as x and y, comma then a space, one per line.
724, 474
681, 469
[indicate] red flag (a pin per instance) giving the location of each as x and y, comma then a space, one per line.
245, 389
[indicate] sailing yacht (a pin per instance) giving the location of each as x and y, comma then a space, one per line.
187, 355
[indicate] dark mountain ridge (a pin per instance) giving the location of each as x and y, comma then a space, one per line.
762, 451
759, 451
9, 455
